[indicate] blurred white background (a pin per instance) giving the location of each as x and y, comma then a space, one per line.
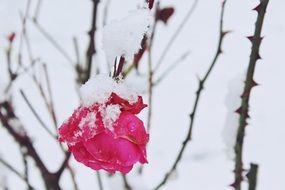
205, 165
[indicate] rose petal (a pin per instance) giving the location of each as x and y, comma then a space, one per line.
120, 152
67, 131
143, 158
82, 155
130, 127
73, 130
134, 108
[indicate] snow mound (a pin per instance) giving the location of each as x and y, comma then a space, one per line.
123, 37
99, 88
232, 102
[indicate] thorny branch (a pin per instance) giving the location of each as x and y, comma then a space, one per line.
198, 95
249, 84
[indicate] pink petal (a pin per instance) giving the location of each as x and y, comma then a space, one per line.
69, 128
70, 131
118, 152
143, 158
82, 155
130, 127
134, 108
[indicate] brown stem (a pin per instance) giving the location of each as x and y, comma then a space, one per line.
198, 95
126, 183
252, 176
64, 164
91, 48
99, 180
249, 84
6, 114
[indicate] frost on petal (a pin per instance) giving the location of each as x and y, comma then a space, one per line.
232, 102
130, 127
133, 108
123, 37
83, 124
70, 127
119, 152
110, 114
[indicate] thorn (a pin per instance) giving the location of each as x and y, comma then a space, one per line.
220, 51
247, 116
250, 38
11, 37
253, 83
150, 4
238, 110
225, 32
258, 8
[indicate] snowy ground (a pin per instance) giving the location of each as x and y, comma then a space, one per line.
205, 165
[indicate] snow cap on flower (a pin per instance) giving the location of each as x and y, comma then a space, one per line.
104, 132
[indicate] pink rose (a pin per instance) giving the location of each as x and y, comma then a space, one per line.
107, 136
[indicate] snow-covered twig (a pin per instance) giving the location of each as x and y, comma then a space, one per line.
198, 95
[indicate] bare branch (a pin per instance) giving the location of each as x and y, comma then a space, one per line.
171, 68
252, 176
53, 42
50, 103
99, 180
36, 114
198, 95
176, 34
91, 48
126, 183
